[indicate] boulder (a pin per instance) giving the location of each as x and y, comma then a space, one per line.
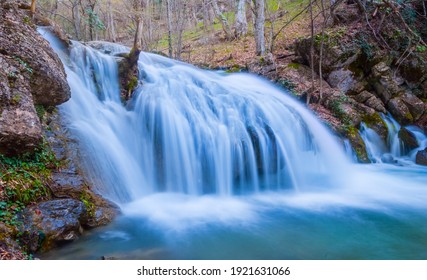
352, 134
422, 123
421, 157
414, 70
9, 248
376, 123
415, 105
386, 87
408, 139
400, 111
342, 79
49, 224
30, 73
370, 100
20, 128
21, 41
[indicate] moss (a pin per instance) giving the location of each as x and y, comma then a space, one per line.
41, 111
357, 143
330, 38
132, 84
294, 66
86, 198
373, 119
16, 99
409, 117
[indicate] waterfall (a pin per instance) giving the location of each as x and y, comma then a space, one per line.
191, 131
393, 150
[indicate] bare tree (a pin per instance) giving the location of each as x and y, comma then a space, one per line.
33, 7
241, 26
259, 26
169, 20
311, 53
111, 25
223, 19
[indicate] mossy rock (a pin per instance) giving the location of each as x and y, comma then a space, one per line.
352, 134
376, 123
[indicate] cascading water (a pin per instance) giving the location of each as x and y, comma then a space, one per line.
393, 150
207, 165
192, 131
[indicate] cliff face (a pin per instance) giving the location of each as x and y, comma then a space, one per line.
31, 75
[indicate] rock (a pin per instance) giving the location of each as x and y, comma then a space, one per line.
109, 48
342, 79
48, 82
352, 134
408, 139
422, 123
421, 157
20, 128
370, 100
400, 111
414, 70
30, 72
363, 96
376, 123
9, 248
49, 224
386, 87
415, 105
376, 104
102, 216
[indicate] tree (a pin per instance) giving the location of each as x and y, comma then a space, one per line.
241, 26
259, 6
33, 7
169, 20
223, 20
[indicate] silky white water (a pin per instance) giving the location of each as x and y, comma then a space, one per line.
211, 165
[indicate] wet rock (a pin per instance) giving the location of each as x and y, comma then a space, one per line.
376, 123
102, 216
52, 223
352, 134
408, 138
421, 157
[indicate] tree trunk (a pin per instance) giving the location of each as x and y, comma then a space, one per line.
113, 36
180, 26
33, 7
259, 27
169, 20
241, 23
311, 53
75, 11
223, 19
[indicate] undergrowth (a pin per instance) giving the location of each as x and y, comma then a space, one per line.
24, 180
